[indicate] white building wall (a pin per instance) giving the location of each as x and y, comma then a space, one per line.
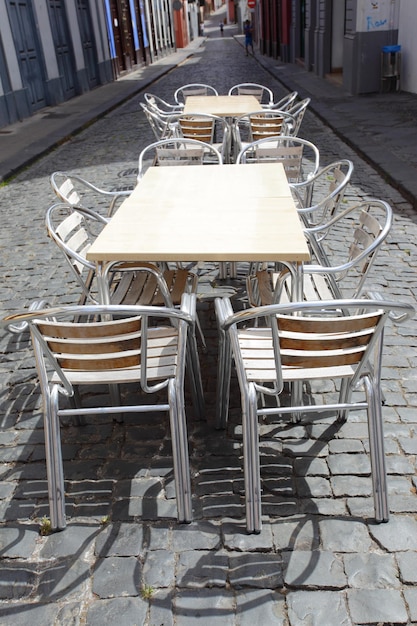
408, 42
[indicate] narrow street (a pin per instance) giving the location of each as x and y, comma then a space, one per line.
320, 559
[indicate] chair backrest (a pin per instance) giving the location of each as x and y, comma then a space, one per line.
211, 129
261, 124
73, 232
177, 151
161, 125
193, 89
305, 340
159, 105
108, 344
298, 111
197, 126
263, 94
286, 102
299, 157
319, 198
79, 192
347, 245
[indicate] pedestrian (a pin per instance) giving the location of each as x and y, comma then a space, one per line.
221, 27
248, 37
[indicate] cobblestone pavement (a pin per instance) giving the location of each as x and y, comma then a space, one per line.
320, 560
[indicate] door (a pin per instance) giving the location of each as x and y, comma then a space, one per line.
63, 48
88, 42
28, 51
123, 35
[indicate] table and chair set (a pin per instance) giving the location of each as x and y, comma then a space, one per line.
256, 194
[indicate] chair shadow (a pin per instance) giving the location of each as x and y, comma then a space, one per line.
119, 483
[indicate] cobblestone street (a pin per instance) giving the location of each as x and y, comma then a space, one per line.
123, 559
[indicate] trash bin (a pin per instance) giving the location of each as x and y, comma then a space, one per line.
390, 68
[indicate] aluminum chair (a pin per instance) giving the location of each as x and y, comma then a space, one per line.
304, 342
163, 126
319, 198
300, 158
286, 102
211, 129
193, 89
159, 105
177, 151
76, 191
146, 346
297, 111
73, 231
345, 249
258, 125
263, 94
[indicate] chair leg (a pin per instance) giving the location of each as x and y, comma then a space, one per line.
193, 368
180, 453
223, 380
344, 397
54, 467
376, 449
251, 462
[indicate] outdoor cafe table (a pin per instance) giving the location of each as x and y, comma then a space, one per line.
213, 213
223, 106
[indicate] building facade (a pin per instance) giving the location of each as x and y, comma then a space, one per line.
50, 51
54, 50
342, 39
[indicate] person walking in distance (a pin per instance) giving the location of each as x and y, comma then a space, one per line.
248, 36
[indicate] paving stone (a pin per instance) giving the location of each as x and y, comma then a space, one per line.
315, 569
158, 569
370, 606
351, 486
410, 596
207, 606
73, 541
320, 608
196, 536
236, 538
358, 464
368, 571
407, 562
120, 540
298, 533
198, 569
18, 542
122, 611
255, 570
398, 535
69, 577
117, 576
18, 579
260, 607
344, 536
34, 614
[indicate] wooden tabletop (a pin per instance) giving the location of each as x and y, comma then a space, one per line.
206, 213
224, 106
